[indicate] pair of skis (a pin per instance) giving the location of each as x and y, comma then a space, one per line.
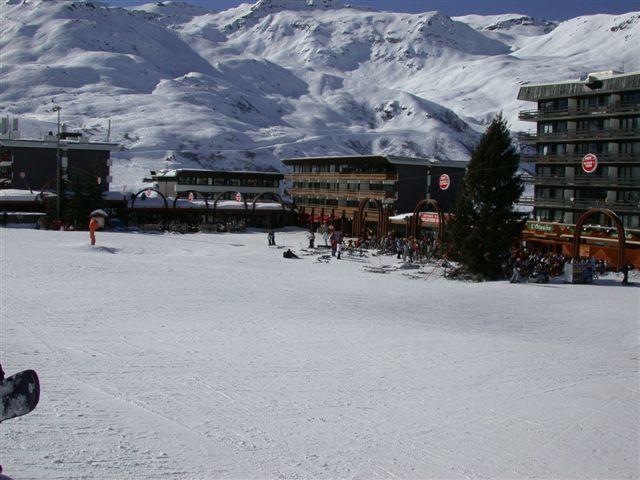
19, 394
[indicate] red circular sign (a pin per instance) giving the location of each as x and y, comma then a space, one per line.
444, 181
238, 197
589, 163
191, 196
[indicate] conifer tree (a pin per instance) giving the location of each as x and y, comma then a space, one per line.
485, 225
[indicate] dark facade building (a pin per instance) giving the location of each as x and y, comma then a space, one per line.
210, 183
586, 150
31, 164
330, 189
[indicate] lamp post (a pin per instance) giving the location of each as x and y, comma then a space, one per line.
57, 108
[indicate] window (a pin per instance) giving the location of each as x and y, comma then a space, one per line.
630, 123
584, 148
219, 181
631, 221
631, 97
629, 148
591, 125
235, 182
628, 196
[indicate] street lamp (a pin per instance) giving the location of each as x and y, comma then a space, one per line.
57, 108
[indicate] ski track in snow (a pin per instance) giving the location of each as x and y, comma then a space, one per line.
211, 356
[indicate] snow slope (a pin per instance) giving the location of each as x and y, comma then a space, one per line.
245, 87
211, 356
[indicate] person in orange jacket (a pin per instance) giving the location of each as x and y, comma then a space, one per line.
93, 225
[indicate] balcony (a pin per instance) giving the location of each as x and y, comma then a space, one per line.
588, 181
564, 113
586, 203
577, 159
342, 176
604, 134
356, 194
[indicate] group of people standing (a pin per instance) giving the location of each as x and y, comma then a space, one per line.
331, 237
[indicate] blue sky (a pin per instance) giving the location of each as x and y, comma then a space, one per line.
547, 9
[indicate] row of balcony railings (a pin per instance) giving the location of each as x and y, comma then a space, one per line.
581, 134
587, 180
343, 193
350, 209
344, 175
576, 158
586, 203
614, 107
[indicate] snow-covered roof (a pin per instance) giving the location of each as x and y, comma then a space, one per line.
66, 144
609, 82
18, 195
186, 171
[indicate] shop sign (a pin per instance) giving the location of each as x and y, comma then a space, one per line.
540, 227
589, 163
444, 181
429, 217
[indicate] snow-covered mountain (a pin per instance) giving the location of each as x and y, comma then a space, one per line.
245, 87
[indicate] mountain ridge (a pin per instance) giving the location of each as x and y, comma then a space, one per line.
315, 79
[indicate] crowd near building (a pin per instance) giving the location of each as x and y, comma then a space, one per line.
584, 154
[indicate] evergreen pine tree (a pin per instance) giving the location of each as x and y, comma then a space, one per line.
485, 225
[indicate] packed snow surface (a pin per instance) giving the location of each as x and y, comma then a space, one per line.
212, 356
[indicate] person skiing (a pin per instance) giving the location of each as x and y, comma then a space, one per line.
338, 248
271, 238
515, 272
326, 234
312, 238
93, 226
625, 273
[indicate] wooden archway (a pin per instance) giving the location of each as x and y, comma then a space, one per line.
164, 199
614, 218
360, 222
415, 219
222, 194
273, 194
195, 193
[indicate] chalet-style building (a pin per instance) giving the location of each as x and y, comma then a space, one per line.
360, 193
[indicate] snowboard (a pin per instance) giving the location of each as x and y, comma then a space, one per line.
19, 394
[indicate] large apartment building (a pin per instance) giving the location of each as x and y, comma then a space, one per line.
332, 189
597, 118
586, 151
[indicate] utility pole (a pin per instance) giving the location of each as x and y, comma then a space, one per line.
57, 108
